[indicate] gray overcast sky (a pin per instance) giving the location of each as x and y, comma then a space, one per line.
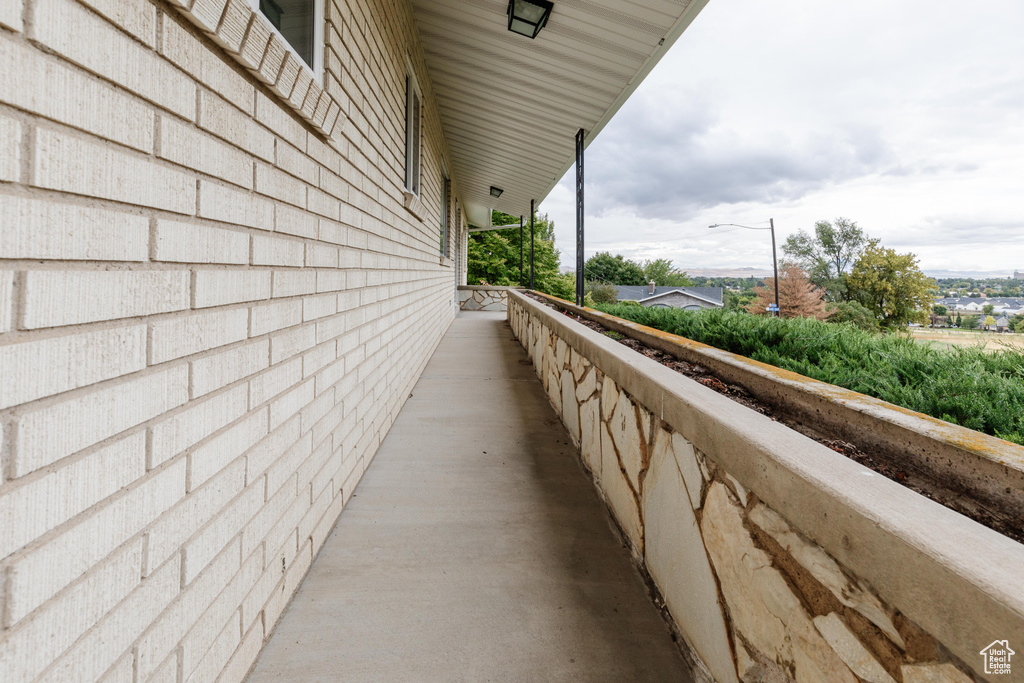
906, 116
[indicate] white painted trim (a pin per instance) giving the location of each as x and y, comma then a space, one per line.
319, 20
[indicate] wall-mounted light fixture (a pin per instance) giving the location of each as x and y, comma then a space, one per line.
527, 17
496, 191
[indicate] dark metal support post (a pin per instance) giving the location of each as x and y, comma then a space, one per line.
531, 243
520, 251
579, 218
775, 264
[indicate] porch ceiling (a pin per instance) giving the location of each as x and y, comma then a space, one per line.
511, 106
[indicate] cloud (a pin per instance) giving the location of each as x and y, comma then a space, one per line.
670, 156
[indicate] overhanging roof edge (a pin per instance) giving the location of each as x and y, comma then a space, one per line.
681, 24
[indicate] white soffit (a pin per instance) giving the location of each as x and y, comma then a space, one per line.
510, 106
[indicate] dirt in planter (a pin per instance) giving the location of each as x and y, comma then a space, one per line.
959, 501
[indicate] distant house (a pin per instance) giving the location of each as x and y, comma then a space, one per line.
686, 298
1002, 324
1005, 305
1017, 275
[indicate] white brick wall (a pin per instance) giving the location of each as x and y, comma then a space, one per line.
181, 401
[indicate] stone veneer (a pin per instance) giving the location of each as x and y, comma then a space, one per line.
483, 298
700, 489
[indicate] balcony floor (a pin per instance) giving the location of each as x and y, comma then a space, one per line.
475, 548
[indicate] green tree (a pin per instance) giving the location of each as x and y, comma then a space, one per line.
664, 274
828, 254
493, 257
959, 320
970, 322
613, 270
939, 309
854, 313
1017, 323
988, 309
891, 285
602, 293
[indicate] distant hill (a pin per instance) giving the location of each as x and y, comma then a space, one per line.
976, 274
727, 272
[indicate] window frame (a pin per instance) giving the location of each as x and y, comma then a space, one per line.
446, 201
319, 20
413, 93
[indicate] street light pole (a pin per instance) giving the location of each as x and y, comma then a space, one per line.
775, 260
775, 265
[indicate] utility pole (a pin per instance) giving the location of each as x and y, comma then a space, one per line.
580, 263
775, 264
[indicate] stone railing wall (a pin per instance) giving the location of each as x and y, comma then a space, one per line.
483, 298
777, 558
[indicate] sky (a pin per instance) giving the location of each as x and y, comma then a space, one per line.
906, 116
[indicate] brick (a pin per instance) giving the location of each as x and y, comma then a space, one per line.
221, 287
6, 299
215, 371
230, 205
206, 14
232, 25
218, 652
71, 164
321, 203
243, 658
299, 91
275, 607
31, 646
70, 362
263, 455
281, 409
91, 42
298, 164
186, 145
10, 149
255, 43
311, 103
220, 531
274, 316
198, 243
115, 634
269, 384
228, 123
122, 672
43, 436
328, 280
334, 185
295, 222
10, 14
32, 508
272, 114
294, 282
167, 631
205, 65
290, 69
319, 357
286, 466
183, 336
284, 345
207, 460
44, 229
279, 185
197, 642
137, 18
168, 671
276, 251
36, 576
319, 306
53, 298
273, 57
169, 533
174, 434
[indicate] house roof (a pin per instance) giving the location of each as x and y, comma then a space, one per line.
713, 295
510, 106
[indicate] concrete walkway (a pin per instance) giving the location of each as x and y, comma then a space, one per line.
475, 548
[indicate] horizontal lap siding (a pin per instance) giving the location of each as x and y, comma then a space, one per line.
210, 316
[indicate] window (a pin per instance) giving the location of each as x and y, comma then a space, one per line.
301, 24
413, 119
446, 192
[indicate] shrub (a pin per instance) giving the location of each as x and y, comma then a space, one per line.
965, 386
